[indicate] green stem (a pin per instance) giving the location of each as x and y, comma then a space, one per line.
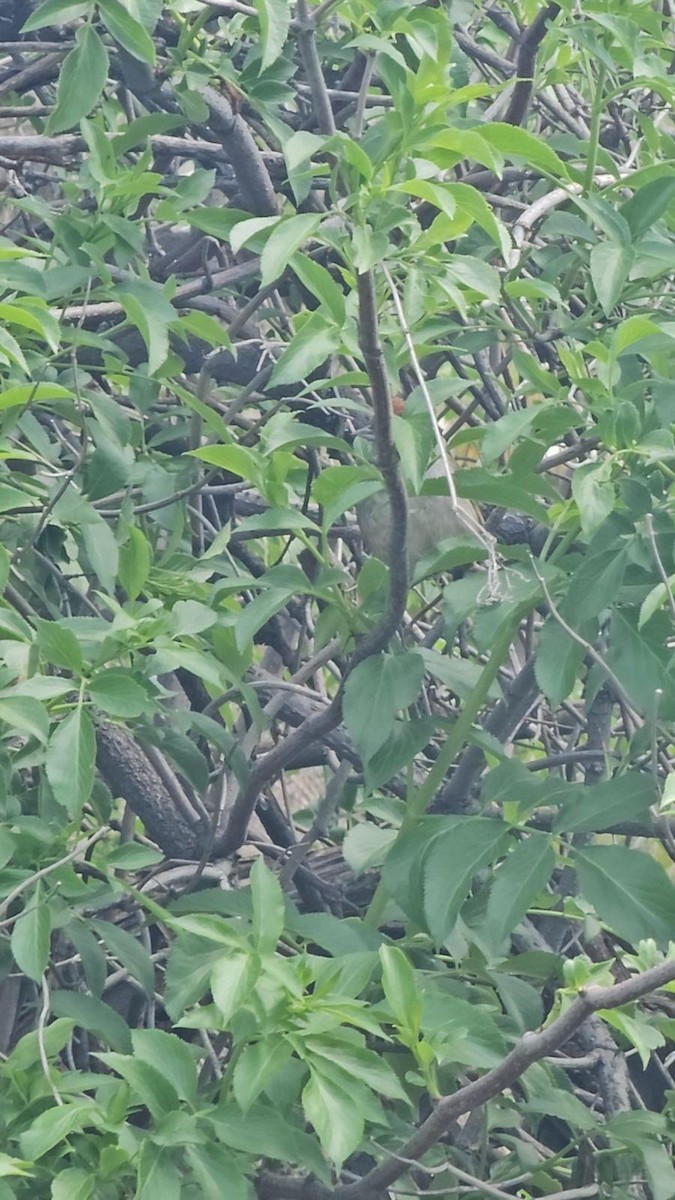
420, 800
594, 141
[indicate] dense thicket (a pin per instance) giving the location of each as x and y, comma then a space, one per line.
325, 874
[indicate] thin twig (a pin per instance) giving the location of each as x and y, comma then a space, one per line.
79, 850
41, 1024
649, 526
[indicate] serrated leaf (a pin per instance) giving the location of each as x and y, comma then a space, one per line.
65, 10
321, 284
127, 31
31, 936
117, 693
26, 715
610, 265
449, 866
557, 662
609, 802
129, 951
520, 879
59, 645
169, 1055
275, 22
148, 309
378, 689
55, 1125
648, 204
232, 979
629, 891
70, 761
314, 342
152, 1089
82, 79
135, 560
268, 908
511, 141
400, 988
257, 1066
337, 1119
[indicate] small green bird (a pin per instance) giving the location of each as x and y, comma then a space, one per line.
431, 520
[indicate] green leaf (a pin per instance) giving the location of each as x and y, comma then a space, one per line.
253, 228
257, 1065
127, 31
71, 760
557, 662
131, 953
11, 351
464, 143
285, 239
171, 1057
59, 645
90, 1013
449, 866
513, 142
158, 1178
55, 1125
635, 329
610, 265
31, 936
38, 393
648, 205
262, 1126
268, 908
405, 741
591, 810
366, 845
117, 693
134, 562
217, 1173
275, 22
65, 10
52, 1038
321, 284
238, 459
73, 1183
521, 878
629, 891
151, 1088
132, 856
314, 342
81, 82
637, 658
24, 714
149, 310
355, 1060
378, 689
594, 586
594, 496
335, 1115
232, 979
257, 613
37, 319
400, 988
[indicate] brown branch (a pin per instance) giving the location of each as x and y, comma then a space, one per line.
41, 70
247, 162
312, 64
529, 1049
319, 726
526, 57
129, 774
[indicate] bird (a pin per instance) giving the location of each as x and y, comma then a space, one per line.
432, 519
